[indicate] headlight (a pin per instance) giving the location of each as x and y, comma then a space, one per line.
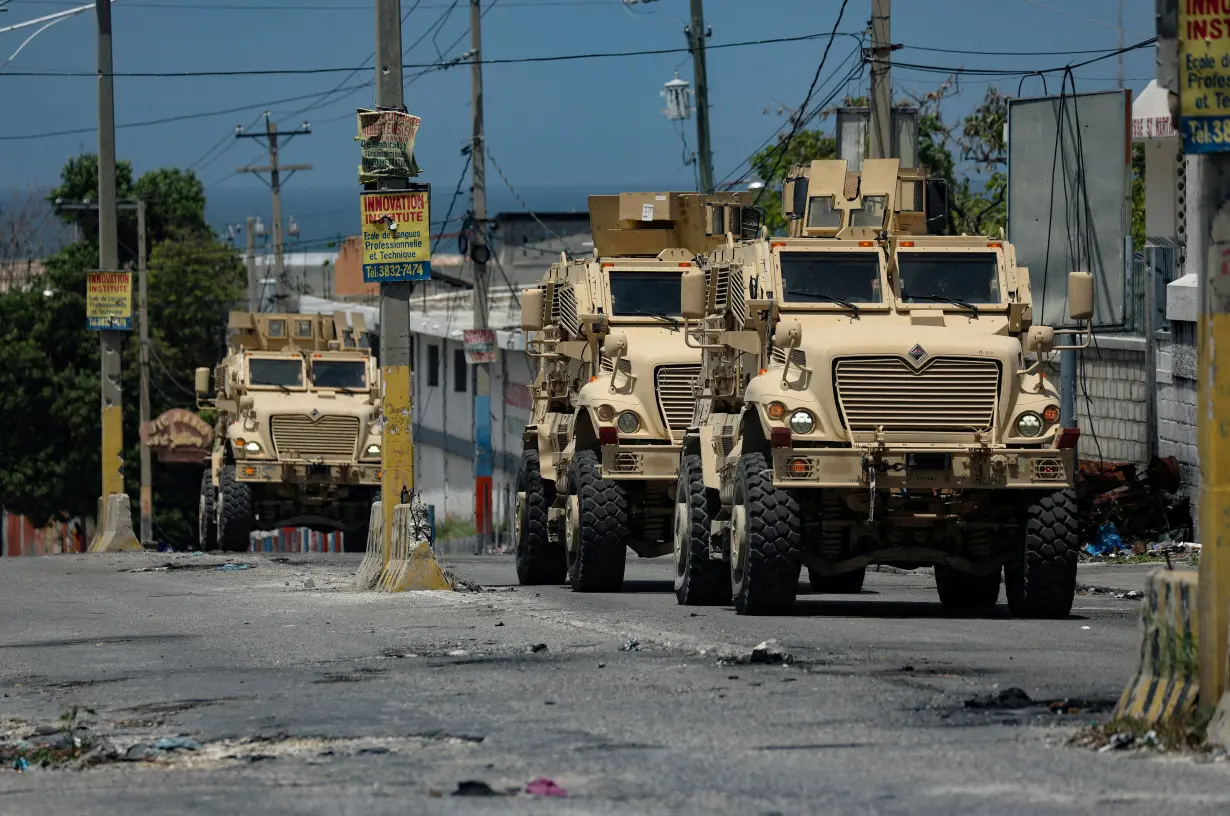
628, 423
606, 413
776, 411
802, 422
373, 450
1030, 424
252, 447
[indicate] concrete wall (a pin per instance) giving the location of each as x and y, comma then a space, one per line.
1111, 401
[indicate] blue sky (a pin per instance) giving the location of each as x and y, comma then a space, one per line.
570, 123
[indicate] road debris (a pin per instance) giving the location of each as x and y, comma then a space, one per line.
538, 648
770, 652
1007, 699
631, 646
233, 567
544, 787
21, 765
475, 787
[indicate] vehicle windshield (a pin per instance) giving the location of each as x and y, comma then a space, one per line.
285, 372
645, 294
828, 277
346, 374
934, 277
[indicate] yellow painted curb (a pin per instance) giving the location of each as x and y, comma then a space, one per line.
412, 564
115, 533
1166, 682
373, 559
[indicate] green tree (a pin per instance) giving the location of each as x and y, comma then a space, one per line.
773, 163
1138, 196
49, 443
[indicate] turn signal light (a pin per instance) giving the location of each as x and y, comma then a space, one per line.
799, 467
1051, 414
866, 243
907, 243
776, 410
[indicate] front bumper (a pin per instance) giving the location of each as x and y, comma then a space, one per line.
307, 473
642, 463
924, 468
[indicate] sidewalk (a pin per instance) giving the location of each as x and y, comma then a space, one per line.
1120, 577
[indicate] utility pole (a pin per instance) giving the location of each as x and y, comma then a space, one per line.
147, 478
479, 255
881, 80
110, 341
697, 34
254, 283
1121, 40
397, 451
274, 169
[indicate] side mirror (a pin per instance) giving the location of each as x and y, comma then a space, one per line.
615, 346
1040, 340
788, 335
693, 298
202, 380
1080, 295
532, 302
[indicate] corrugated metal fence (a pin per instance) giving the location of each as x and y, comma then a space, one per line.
20, 537
297, 540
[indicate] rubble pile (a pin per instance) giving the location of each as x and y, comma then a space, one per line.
1125, 512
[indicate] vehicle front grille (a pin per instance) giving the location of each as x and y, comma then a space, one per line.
674, 386
333, 438
948, 394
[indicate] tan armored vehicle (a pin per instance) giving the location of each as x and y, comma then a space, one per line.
614, 391
297, 440
865, 398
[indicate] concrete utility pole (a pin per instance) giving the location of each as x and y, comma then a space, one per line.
697, 35
881, 80
274, 169
108, 261
254, 281
147, 478
397, 451
479, 252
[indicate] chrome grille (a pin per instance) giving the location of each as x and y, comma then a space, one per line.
954, 394
674, 385
331, 437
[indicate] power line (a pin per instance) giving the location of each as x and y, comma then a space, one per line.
504, 61
785, 147
322, 7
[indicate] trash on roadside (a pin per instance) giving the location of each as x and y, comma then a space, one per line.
1105, 541
538, 648
233, 567
631, 646
165, 547
458, 653
544, 787
1064, 707
475, 787
176, 744
769, 652
1119, 741
21, 765
1008, 699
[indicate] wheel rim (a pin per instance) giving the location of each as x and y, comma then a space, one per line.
738, 540
572, 525
681, 541
519, 516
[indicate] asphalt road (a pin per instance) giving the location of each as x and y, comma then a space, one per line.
310, 698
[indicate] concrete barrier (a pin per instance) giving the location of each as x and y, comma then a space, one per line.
1166, 682
411, 564
115, 532
373, 559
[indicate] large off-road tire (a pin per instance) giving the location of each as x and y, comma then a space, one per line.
539, 560
699, 580
234, 512
960, 590
846, 583
207, 520
1044, 584
596, 564
766, 560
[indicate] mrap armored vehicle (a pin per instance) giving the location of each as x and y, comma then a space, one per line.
614, 390
865, 397
297, 440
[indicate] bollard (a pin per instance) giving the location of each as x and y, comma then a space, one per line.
412, 564
1166, 682
373, 559
115, 533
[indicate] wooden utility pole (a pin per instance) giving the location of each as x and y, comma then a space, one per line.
147, 478
254, 281
697, 34
274, 169
881, 80
480, 253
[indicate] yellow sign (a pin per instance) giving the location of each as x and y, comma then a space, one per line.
108, 301
1204, 75
396, 234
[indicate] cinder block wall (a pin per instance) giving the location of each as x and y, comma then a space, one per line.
1111, 402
